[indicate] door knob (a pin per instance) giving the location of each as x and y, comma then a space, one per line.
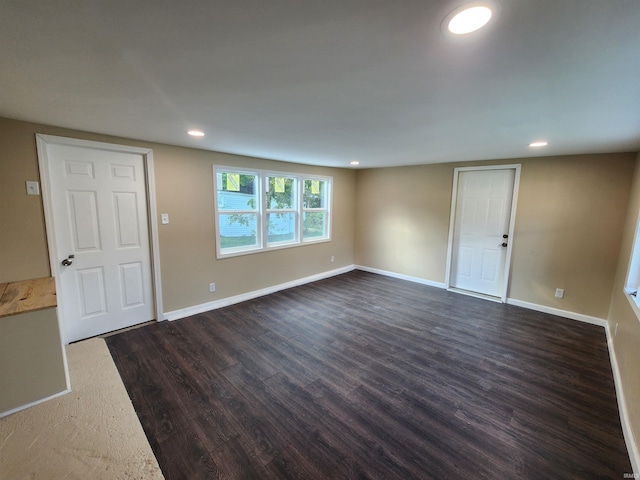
68, 261
504, 245
505, 236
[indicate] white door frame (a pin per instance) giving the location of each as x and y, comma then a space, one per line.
147, 157
512, 221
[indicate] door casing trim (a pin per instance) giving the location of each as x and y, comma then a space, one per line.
42, 141
512, 221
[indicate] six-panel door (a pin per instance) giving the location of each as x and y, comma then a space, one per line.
100, 218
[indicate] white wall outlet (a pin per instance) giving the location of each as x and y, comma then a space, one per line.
615, 332
33, 188
333, 259
212, 287
164, 218
559, 293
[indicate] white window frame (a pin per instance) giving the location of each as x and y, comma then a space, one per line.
326, 209
295, 210
632, 283
262, 227
259, 228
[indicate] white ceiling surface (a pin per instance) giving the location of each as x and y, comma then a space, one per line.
326, 82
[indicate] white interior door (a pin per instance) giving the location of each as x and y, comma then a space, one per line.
99, 207
481, 230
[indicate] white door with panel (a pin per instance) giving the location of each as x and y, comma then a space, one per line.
481, 230
99, 206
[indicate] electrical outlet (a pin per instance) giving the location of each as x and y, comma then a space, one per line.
212, 287
33, 188
333, 259
164, 218
559, 293
615, 332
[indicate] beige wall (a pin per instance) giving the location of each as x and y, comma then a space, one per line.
184, 189
23, 242
31, 359
627, 339
402, 219
567, 234
568, 229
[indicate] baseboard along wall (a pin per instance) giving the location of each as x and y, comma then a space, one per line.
632, 446
223, 302
31, 404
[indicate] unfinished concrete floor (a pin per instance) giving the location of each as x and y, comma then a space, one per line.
91, 433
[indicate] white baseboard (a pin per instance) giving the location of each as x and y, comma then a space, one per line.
531, 306
224, 302
401, 276
601, 322
42, 400
622, 407
632, 446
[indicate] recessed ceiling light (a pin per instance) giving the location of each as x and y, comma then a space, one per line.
470, 17
541, 143
196, 133
355, 162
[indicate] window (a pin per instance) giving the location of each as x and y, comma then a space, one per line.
257, 210
238, 211
282, 211
633, 275
315, 209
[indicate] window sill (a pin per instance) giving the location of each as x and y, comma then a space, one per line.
237, 253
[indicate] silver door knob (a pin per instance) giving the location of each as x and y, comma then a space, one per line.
67, 261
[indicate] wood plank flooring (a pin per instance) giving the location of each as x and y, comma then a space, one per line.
363, 376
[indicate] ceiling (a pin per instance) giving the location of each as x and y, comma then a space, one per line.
326, 82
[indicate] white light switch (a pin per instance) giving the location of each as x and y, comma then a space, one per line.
33, 188
164, 218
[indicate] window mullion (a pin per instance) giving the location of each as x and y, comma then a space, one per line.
300, 206
281, 210
237, 212
262, 209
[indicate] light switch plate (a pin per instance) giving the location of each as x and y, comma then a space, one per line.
33, 188
164, 218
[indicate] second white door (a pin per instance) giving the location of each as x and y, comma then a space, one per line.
481, 230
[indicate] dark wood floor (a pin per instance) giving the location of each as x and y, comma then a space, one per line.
364, 376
